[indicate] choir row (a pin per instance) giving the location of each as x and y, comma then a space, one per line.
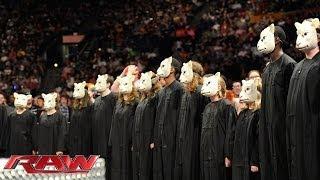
151, 126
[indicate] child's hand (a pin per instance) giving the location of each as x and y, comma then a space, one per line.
254, 169
227, 162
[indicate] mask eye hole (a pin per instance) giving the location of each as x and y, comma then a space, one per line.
305, 33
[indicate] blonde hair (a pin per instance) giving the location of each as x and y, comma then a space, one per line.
256, 103
197, 77
82, 103
223, 88
133, 96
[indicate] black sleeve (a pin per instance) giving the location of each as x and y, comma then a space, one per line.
112, 126
62, 133
230, 131
254, 136
156, 119
153, 115
6, 135
287, 75
32, 120
35, 135
131, 123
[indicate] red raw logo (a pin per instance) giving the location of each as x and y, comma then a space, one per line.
62, 163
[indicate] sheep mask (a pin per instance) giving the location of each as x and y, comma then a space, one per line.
49, 100
101, 83
249, 92
146, 81
186, 73
211, 85
79, 90
165, 68
126, 84
266, 43
21, 100
307, 34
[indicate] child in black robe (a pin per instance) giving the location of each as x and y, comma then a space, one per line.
121, 131
143, 126
217, 123
102, 117
20, 124
51, 128
79, 138
245, 158
187, 163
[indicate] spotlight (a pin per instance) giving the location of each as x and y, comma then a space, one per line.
55, 65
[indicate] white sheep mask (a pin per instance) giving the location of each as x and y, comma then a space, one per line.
266, 43
49, 100
145, 82
307, 34
211, 85
21, 100
79, 90
186, 73
101, 83
249, 92
165, 68
126, 84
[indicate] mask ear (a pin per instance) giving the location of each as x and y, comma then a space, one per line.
271, 28
217, 74
15, 95
150, 73
106, 76
243, 82
297, 25
84, 83
170, 60
315, 23
43, 95
29, 96
55, 95
99, 75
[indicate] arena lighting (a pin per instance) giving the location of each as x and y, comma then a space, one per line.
55, 65
96, 173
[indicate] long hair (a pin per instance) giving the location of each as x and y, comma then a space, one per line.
223, 90
133, 96
82, 103
197, 77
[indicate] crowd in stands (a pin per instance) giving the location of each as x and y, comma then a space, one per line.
219, 34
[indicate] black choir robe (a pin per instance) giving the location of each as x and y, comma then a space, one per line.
101, 124
51, 134
5, 111
246, 146
303, 120
79, 137
20, 133
275, 84
187, 162
142, 138
216, 139
165, 129
121, 141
